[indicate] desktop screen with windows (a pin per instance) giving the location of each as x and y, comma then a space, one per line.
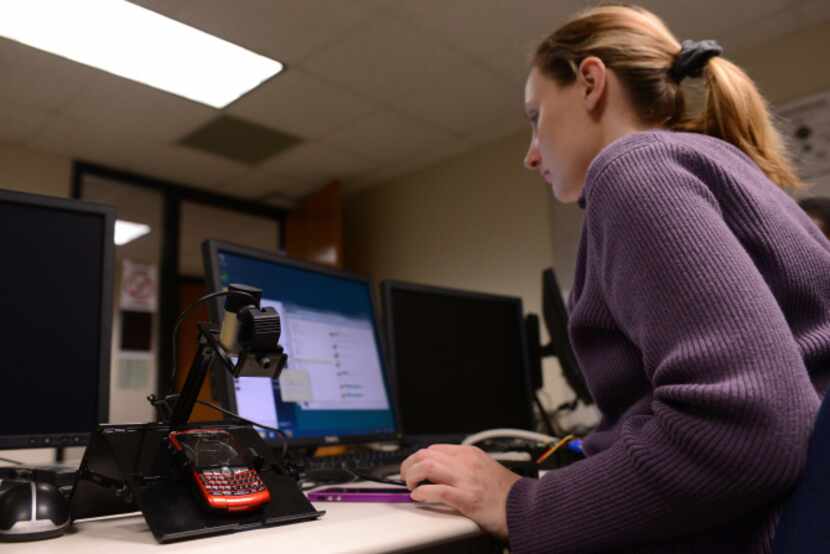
334, 384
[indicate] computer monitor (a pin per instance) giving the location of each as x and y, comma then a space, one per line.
556, 321
56, 325
458, 359
334, 388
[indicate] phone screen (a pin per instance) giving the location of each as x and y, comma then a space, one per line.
210, 449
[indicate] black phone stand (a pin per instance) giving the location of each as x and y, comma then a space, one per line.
129, 468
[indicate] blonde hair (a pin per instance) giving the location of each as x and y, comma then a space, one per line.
640, 49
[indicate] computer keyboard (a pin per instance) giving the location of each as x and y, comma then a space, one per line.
364, 461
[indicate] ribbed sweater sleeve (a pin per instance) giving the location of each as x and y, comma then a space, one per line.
732, 404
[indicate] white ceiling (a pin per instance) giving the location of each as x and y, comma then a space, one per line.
376, 88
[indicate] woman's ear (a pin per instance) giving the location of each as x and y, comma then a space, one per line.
593, 76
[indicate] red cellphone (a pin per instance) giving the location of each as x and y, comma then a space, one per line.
223, 479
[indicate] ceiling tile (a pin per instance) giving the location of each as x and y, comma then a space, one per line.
391, 139
189, 167
421, 160
746, 35
240, 140
464, 98
258, 183
489, 29
375, 179
318, 161
115, 105
382, 89
813, 12
20, 123
513, 63
501, 125
285, 30
277, 189
301, 104
33, 77
75, 139
435, 153
127, 150
484, 26
385, 60
695, 20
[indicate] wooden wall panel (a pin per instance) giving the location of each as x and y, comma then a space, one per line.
314, 229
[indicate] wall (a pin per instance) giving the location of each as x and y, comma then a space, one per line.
27, 170
479, 222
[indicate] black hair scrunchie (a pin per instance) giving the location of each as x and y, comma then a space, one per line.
692, 58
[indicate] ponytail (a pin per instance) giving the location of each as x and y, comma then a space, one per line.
734, 111
645, 56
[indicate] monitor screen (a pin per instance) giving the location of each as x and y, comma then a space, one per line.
56, 301
334, 387
458, 358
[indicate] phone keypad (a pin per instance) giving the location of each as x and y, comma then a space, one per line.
229, 481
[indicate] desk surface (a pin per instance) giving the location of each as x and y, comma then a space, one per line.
346, 528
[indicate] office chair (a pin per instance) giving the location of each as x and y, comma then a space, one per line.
803, 527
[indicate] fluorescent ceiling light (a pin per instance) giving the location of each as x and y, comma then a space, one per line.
139, 44
126, 231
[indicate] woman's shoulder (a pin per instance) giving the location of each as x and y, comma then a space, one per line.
663, 145
651, 155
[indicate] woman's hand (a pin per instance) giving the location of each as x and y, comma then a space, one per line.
464, 478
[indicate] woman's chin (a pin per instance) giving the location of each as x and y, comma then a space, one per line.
565, 195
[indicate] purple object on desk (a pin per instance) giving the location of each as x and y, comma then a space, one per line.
354, 494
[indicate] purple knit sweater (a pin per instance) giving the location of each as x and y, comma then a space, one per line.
700, 314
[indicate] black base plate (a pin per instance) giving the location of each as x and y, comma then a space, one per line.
128, 468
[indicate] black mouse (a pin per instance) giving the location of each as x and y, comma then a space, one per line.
31, 510
330, 475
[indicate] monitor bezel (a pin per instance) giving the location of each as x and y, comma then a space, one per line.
222, 381
389, 286
80, 438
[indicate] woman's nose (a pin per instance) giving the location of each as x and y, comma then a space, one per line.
532, 157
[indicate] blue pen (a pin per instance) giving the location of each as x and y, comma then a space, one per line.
575, 446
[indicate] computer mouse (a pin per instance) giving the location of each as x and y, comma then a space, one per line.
330, 475
31, 510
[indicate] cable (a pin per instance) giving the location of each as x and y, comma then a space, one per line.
182, 317
509, 434
549, 452
10, 461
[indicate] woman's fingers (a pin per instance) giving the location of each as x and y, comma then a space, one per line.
453, 497
450, 449
419, 456
434, 469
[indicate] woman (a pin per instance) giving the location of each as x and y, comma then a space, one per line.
699, 310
